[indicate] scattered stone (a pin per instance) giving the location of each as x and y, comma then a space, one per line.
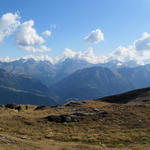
84, 114
97, 110
91, 113
19, 108
41, 107
23, 137
103, 113
1, 129
65, 123
26, 107
54, 118
47, 136
2, 137
28, 123
77, 109
64, 118
13, 106
73, 103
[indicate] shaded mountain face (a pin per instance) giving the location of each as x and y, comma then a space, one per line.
11, 95
23, 89
135, 96
91, 83
69, 66
21, 82
139, 77
97, 82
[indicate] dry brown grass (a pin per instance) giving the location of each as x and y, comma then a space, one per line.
125, 127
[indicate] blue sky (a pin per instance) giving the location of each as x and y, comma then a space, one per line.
121, 22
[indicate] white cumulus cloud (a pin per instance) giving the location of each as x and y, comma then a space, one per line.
8, 24
143, 43
27, 38
94, 37
47, 33
35, 49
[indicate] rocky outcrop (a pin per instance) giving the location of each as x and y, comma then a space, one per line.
41, 107
64, 118
91, 113
13, 106
75, 117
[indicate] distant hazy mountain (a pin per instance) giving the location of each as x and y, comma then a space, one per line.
42, 70
118, 64
69, 66
139, 76
45, 71
21, 82
11, 95
91, 83
97, 82
23, 89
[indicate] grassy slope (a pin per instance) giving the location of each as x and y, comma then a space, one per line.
127, 126
139, 95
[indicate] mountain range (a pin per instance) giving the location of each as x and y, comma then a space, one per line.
23, 89
72, 79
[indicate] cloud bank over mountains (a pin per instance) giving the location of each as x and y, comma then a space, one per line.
87, 55
139, 51
28, 39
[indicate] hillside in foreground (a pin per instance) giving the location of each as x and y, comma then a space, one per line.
87, 125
